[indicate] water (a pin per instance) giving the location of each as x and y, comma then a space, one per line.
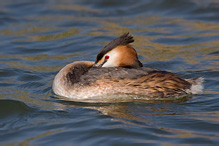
37, 38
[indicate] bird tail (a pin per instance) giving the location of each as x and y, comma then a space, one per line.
197, 85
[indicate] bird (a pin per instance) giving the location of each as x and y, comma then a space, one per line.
118, 73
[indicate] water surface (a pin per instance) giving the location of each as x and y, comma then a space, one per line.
37, 38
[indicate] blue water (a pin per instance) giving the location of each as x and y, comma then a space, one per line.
37, 38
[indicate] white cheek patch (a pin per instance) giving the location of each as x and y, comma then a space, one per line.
109, 64
112, 61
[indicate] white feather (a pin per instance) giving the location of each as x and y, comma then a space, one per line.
197, 87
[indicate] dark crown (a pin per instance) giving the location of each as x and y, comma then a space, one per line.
122, 40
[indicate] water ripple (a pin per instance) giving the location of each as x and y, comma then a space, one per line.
37, 38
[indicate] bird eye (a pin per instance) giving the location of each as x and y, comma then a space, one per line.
106, 57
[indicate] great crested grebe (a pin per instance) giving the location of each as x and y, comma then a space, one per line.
117, 71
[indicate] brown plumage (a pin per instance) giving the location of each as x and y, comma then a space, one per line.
120, 52
120, 73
